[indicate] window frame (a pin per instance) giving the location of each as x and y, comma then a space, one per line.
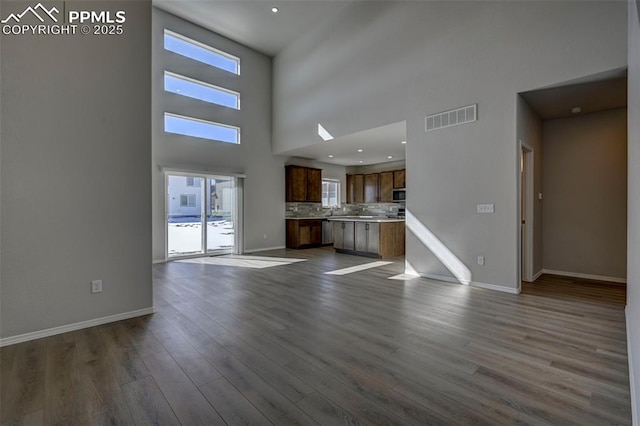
189, 197
203, 46
200, 120
335, 182
202, 83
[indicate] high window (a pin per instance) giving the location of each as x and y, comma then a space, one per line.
196, 89
188, 126
201, 52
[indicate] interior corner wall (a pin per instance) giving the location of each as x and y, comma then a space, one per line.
384, 62
585, 194
529, 131
75, 160
264, 199
633, 235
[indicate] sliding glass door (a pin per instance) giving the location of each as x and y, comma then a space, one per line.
201, 215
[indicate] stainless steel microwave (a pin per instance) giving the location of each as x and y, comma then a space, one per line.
399, 195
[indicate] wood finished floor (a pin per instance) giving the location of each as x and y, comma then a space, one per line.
288, 345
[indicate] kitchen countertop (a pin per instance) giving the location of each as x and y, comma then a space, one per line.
308, 218
376, 219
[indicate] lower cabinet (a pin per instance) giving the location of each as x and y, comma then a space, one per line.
343, 238
367, 237
304, 233
374, 239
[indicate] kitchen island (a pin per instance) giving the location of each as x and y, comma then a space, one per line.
368, 236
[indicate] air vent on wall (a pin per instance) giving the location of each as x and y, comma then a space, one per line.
453, 117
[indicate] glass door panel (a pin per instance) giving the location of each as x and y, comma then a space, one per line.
221, 202
184, 215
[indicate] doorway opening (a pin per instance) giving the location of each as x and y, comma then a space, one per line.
526, 212
203, 215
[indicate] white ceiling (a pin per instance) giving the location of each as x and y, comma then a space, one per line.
376, 144
251, 22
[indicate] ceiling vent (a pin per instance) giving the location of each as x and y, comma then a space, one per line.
453, 117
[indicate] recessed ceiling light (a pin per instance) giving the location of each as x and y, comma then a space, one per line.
275, 9
359, 150
330, 156
403, 142
360, 161
576, 110
389, 156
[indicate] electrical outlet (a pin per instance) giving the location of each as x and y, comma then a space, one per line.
480, 260
484, 208
96, 286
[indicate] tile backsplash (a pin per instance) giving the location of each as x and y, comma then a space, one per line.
316, 210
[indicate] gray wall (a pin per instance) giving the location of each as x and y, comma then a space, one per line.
633, 241
361, 72
76, 187
529, 130
264, 201
585, 194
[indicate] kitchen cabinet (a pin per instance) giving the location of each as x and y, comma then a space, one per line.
303, 184
371, 238
355, 189
343, 235
386, 181
371, 188
304, 233
399, 179
367, 237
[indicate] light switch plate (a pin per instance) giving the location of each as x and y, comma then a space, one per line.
485, 208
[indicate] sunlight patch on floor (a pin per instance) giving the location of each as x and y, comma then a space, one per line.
254, 262
357, 268
404, 277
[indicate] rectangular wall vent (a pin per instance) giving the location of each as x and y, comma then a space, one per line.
453, 117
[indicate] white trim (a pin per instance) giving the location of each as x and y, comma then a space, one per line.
538, 274
634, 402
75, 326
188, 171
495, 287
263, 249
585, 276
156, 261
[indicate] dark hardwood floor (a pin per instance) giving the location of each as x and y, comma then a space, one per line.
578, 289
286, 344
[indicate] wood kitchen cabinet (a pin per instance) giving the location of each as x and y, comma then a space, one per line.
303, 184
304, 233
371, 188
399, 179
386, 180
355, 189
369, 238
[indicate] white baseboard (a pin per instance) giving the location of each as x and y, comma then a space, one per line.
585, 276
472, 283
635, 404
538, 274
263, 249
156, 261
73, 327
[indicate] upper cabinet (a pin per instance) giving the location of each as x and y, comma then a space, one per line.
374, 187
303, 184
371, 188
399, 179
386, 187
